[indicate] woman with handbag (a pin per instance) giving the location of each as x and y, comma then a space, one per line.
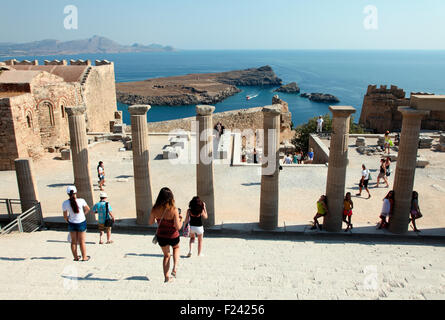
105, 217
169, 221
415, 210
196, 212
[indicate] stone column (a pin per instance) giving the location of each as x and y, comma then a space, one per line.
204, 167
270, 168
26, 183
338, 160
79, 153
405, 168
141, 162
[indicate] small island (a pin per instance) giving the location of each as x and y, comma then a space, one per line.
320, 97
289, 88
199, 88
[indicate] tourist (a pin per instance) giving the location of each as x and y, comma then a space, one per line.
310, 156
382, 173
415, 210
219, 129
388, 206
348, 205
255, 156
101, 175
388, 165
287, 159
169, 221
364, 181
196, 212
319, 124
322, 210
295, 158
388, 142
301, 157
105, 217
74, 211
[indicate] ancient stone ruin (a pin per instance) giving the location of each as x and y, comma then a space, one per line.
33, 98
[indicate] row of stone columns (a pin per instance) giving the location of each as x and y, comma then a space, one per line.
269, 198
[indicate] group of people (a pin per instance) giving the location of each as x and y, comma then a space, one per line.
164, 212
298, 157
385, 214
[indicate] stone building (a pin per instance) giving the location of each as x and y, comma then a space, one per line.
379, 110
33, 98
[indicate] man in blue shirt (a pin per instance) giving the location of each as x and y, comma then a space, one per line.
101, 209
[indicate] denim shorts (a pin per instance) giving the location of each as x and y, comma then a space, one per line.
77, 227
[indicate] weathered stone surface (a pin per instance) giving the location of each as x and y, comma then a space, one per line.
379, 110
289, 88
321, 97
360, 142
65, 154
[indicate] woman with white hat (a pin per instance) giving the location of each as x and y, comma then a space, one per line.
74, 211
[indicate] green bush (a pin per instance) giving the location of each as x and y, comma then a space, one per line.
302, 132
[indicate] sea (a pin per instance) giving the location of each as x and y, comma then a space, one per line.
343, 73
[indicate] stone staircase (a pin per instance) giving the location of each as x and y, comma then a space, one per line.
85, 76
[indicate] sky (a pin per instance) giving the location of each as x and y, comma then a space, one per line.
235, 24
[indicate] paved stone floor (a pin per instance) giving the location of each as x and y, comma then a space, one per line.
40, 266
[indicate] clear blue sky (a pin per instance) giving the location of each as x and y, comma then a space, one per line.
233, 24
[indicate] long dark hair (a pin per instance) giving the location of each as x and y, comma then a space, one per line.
100, 162
73, 202
196, 206
165, 199
390, 195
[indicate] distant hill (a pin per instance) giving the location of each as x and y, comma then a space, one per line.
95, 44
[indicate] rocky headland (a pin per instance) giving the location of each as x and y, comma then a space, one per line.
199, 88
289, 88
320, 97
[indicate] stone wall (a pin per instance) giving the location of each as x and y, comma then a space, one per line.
99, 92
321, 151
19, 134
379, 110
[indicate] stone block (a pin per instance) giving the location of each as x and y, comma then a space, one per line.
119, 128
442, 139
65, 154
422, 163
360, 142
128, 145
178, 142
171, 153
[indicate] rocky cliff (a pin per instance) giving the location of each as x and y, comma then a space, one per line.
208, 88
289, 88
379, 110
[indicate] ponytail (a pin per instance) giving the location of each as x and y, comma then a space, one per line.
73, 202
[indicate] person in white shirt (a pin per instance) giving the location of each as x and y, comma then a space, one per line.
74, 211
388, 205
364, 182
101, 175
319, 124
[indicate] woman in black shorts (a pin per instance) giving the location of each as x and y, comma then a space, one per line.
169, 221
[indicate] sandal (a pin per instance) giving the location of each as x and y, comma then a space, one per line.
110, 242
101, 242
189, 255
78, 257
87, 259
174, 274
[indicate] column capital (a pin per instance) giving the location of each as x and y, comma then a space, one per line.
411, 112
23, 160
204, 110
342, 111
273, 110
139, 109
76, 110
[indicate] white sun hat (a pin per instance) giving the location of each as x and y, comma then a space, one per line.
103, 195
71, 188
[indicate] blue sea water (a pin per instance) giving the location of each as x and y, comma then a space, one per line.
343, 73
